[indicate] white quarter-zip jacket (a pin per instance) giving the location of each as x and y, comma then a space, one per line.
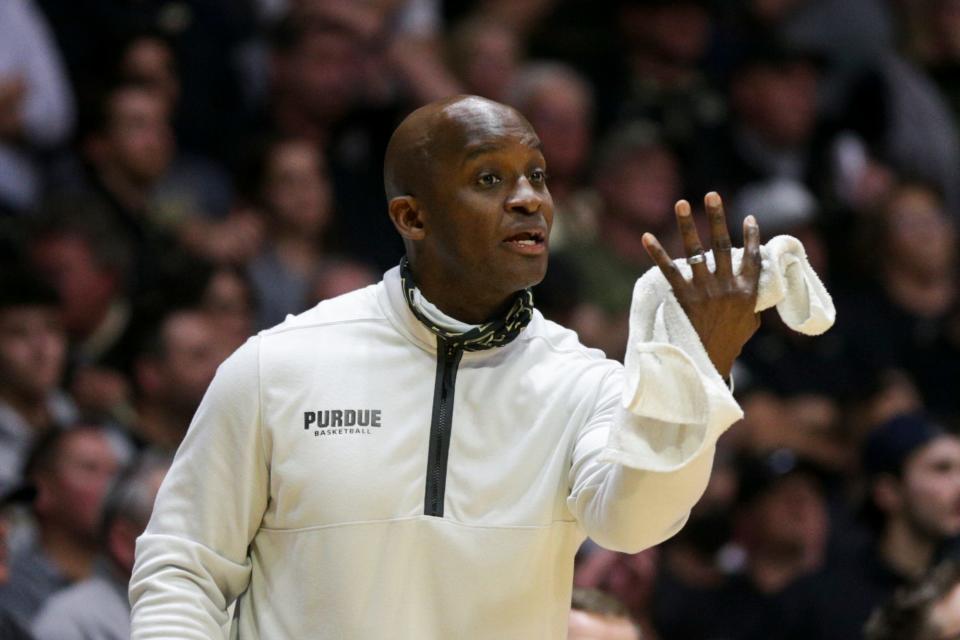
344, 479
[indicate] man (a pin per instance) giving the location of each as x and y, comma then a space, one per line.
423, 457
98, 607
72, 470
595, 615
913, 469
782, 526
172, 371
32, 355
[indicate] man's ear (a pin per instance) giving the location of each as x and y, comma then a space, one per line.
407, 217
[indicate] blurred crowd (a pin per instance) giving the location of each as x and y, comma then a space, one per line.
176, 175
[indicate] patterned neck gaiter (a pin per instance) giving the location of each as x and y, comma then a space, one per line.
495, 333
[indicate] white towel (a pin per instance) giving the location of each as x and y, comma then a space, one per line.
670, 380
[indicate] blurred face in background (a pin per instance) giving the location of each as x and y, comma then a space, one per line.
779, 102
920, 236
86, 287
791, 518
560, 113
70, 493
679, 32
296, 189
179, 377
485, 58
641, 188
930, 489
228, 304
32, 351
323, 74
138, 139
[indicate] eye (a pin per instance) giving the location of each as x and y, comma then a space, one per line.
538, 176
488, 180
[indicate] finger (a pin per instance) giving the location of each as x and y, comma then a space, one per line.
662, 259
719, 235
750, 267
691, 239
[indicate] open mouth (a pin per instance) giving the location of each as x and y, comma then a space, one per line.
527, 239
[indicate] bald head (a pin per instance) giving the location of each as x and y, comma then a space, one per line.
435, 132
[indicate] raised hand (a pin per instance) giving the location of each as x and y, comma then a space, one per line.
720, 303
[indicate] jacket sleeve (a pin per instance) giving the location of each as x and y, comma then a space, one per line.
191, 562
644, 457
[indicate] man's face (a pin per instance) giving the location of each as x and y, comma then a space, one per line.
930, 488
32, 350
792, 517
191, 359
71, 493
139, 135
590, 626
920, 236
487, 211
779, 102
86, 288
296, 188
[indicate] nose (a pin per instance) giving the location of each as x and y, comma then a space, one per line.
524, 198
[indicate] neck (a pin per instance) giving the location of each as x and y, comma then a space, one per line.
71, 554
461, 299
904, 550
161, 427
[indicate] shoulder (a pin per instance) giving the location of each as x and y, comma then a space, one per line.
562, 342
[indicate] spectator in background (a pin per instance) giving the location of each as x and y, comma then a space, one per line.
928, 610
638, 179
147, 59
913, 503
32, 357
773, 130
664, 77
98, 607
485, 56
594, 615
171, 373
782, 526
292, 192
903, 321
133, 169
36, 108
320, 92
84, 259
795, 390
72, 470
229, 302
558, 102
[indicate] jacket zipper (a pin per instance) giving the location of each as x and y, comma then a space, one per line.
441, 423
